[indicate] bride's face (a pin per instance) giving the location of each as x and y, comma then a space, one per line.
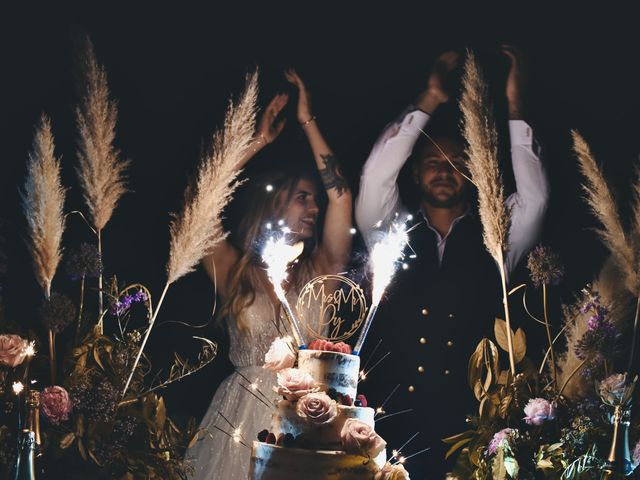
301, 212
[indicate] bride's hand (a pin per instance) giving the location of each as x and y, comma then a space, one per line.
268, 128
304, 112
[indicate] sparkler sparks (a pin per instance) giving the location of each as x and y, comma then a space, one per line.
278, 254
383, 261
17, 387
30, 350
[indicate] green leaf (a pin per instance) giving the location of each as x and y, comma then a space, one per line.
511, 466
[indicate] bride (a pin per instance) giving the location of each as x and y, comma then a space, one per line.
250, 308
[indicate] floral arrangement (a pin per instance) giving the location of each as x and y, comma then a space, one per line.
527, 427
102, 415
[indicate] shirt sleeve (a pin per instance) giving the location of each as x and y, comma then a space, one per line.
529, 203
378, 199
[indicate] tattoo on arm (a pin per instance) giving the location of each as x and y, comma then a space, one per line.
331, 175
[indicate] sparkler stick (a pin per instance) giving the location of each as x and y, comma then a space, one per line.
383, 262
277, 254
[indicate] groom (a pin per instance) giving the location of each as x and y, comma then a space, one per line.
451, 292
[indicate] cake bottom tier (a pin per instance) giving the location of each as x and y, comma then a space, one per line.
283, 463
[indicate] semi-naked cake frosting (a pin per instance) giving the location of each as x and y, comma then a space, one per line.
311, 436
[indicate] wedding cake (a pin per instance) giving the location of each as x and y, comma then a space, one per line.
321, 429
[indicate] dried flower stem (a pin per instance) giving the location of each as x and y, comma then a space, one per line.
146, 337
80, 308
634, 336
100, 284
548, 329
507, 317
52, 356
571, 375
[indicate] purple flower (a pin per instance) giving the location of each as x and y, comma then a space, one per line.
120, 306
99, 402
599, 341
57, 313
500, 439
538, 411
544, 266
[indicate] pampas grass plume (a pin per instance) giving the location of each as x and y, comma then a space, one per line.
43, 205
480, 132
197, 227
100, 170
600, 200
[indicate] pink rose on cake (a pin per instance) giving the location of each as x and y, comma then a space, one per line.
294, 383
317, 408
358, 437
392, 472
13, 349
281, 354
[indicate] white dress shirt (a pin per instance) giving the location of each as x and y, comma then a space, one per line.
379, 200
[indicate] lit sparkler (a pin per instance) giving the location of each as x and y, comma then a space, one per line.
17, 387
384, 260
278, 254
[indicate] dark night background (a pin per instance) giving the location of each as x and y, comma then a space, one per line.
172, 69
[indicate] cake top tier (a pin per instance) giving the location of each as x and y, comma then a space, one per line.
331, 370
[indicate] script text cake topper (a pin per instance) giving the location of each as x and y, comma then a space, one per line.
331, 307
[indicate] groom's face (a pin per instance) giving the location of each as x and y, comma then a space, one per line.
442, 184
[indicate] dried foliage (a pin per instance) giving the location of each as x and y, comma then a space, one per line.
197, 228
43, 205
480, 132
603, 206
101, 171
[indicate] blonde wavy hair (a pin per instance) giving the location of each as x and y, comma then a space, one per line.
248, 237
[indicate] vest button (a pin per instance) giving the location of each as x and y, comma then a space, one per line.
447, 372
450, 343
411, 389
424, 312
451, 315
421, 369
423, 340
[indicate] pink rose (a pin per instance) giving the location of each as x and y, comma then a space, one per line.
538, 411
12, 350
294, 383
317, 408
55, 404
392, 472
358, 437
281, 354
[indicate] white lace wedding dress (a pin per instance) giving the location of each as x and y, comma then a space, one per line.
217, 456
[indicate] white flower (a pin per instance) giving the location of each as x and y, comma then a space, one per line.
294, 383
358, 437
317, 408
281, 354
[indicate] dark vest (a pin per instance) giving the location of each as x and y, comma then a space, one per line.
431, 320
